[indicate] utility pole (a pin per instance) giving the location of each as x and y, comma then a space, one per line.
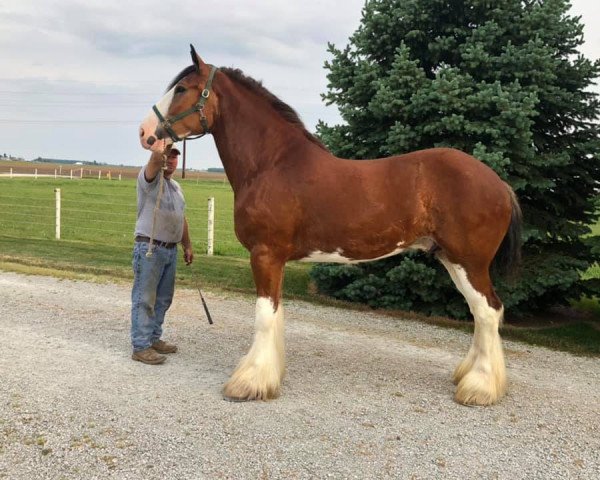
183, 166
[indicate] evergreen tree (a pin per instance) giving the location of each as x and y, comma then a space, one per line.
501, 80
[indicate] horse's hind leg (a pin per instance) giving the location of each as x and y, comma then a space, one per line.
258, 375
481, 376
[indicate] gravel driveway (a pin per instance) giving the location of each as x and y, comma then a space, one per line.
365, 396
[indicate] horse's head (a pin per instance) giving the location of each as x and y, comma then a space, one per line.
188, 108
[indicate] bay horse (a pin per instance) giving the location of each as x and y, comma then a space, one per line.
294, 200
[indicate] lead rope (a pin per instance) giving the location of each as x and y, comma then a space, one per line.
197, 283
161, 185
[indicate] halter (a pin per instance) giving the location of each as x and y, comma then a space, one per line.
167, 123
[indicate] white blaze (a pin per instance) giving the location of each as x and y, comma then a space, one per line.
150, 123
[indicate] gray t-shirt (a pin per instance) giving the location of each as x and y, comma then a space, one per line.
169, 218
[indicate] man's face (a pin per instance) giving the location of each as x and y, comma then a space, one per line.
172, 159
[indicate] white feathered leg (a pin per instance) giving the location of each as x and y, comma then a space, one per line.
481, 376
258, 375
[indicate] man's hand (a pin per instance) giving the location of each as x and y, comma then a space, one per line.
188, 255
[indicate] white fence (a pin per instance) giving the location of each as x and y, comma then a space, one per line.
83, 215
210, 230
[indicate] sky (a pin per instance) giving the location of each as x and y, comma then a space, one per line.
78, 76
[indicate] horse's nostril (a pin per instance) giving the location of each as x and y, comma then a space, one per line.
151, 140
141, 132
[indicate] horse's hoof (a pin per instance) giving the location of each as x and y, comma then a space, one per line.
235, 391
480, 389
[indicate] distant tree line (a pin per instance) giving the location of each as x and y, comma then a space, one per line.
66, 162
10, 157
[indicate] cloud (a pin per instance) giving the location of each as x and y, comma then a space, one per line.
275, 31
82, 72
79, 65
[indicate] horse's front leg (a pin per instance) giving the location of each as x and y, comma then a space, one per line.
258, 375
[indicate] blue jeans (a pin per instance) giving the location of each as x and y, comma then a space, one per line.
152, 293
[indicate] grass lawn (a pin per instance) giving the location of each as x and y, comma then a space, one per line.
74, 258
96, 243
102, 211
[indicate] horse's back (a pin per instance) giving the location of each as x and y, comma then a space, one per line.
440, 177
442, 165
440, 193
385, 202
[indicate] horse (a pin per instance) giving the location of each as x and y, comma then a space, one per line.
294, 200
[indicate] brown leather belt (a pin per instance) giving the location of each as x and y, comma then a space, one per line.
141, 238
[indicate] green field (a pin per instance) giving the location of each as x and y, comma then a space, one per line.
98, 218
103, 211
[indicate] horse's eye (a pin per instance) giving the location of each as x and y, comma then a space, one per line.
179, 89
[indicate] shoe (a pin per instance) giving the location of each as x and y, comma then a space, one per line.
149, 356
163, 347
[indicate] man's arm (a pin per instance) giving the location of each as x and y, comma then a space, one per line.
186, 242
155, 165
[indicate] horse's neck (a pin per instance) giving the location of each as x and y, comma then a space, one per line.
251, 137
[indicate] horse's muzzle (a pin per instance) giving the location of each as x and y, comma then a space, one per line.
152, 135
149, 141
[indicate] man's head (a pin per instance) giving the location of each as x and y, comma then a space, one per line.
172, 159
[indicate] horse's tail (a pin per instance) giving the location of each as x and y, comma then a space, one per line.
508, 257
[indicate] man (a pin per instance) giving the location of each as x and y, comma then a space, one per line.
154, 275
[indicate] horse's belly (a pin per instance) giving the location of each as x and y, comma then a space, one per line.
338, 256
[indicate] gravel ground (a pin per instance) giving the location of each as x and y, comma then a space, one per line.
365, 396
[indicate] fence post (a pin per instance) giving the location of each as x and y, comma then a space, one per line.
55, 174
71, 174
36, 173
211, 226
81, 173
57, 192
99, 174
10, 172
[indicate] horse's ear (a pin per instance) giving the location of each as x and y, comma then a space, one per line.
196, 58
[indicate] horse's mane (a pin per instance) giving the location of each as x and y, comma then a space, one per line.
236, 75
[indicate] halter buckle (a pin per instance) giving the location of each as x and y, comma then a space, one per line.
205, 93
